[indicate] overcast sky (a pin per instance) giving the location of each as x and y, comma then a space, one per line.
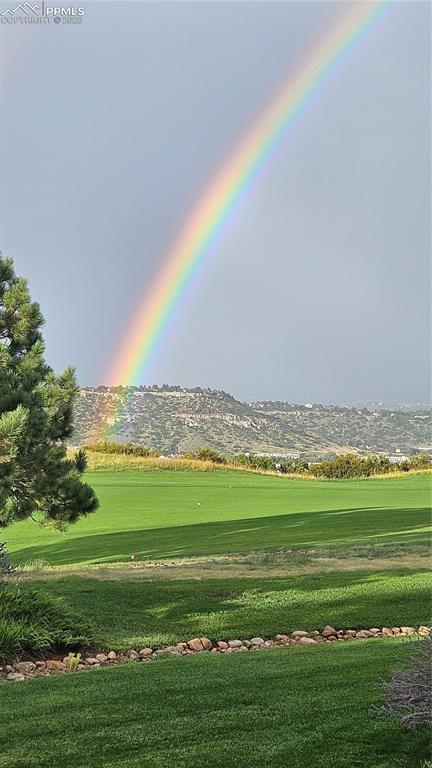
110, 130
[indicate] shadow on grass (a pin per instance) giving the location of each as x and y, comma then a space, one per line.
350, 526
128, 612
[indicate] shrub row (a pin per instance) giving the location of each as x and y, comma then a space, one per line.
125, 449
349, 465
343, 466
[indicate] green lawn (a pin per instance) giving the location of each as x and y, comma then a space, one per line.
294, 707
156, 515
128, 614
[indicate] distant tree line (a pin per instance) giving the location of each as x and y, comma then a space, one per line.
344, 466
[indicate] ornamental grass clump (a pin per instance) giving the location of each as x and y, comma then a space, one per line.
408, 693
34, 622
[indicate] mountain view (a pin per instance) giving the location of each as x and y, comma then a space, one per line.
175, 420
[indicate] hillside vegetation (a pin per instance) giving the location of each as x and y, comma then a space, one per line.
177, 421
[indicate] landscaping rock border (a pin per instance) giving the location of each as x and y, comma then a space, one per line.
23, 670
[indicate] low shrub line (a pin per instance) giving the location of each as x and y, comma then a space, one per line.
342, 466
22, 670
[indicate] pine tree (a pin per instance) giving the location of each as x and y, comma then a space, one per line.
37, 479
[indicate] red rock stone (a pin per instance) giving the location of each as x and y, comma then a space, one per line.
54, 665
329, 631
195, 645
257, 641
145, 653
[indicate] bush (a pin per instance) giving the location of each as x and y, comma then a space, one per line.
420, 461
126, 449
34, 622
349, 465
408, 694
296, 466
207, 454
265, 463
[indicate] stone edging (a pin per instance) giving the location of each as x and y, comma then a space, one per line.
22, 670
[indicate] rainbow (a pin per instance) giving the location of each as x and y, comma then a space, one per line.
214, 209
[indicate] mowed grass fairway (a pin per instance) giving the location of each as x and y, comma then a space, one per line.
155, 515
293, 707
297, 706
133, 614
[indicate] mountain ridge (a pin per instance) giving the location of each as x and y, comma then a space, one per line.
175, 420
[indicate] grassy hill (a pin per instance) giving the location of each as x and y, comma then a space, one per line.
175, 421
